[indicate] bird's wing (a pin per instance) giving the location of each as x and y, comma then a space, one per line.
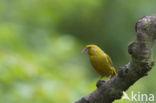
109, 60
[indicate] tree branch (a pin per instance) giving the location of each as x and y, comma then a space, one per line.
141, 62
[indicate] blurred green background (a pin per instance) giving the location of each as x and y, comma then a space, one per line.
41, 43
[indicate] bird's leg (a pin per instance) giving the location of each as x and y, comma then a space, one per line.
109, 78
100, 82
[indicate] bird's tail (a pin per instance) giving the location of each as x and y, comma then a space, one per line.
113, 72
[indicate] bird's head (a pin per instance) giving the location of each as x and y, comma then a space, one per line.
92, 50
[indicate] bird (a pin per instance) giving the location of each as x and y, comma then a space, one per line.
100, 61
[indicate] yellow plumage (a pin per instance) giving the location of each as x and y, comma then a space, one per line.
100, 61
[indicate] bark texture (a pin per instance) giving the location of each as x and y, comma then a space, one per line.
141, 62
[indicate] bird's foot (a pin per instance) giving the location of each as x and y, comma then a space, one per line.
99, 83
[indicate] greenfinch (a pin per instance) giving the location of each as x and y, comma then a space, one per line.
101, 62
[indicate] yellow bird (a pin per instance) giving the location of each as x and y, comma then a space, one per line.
101, 62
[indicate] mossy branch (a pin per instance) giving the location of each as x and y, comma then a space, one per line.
141, 62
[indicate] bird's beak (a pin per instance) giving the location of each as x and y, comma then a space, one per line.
85, 50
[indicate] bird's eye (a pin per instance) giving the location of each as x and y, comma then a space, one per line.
88, 48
